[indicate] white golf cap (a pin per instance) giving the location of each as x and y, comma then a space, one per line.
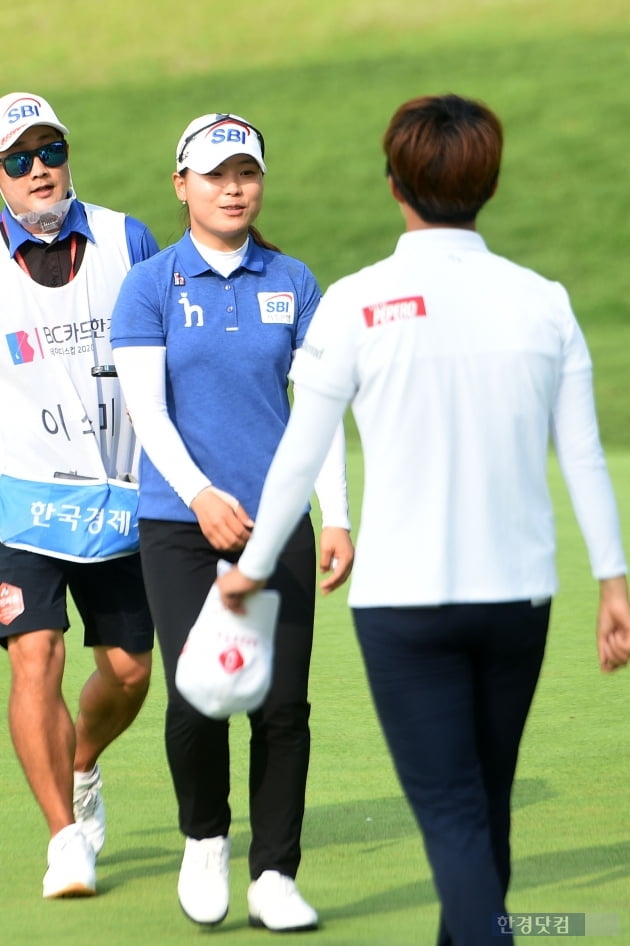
20, 111
211, 139
226, 664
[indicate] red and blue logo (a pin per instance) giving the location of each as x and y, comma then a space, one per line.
21, 350
25, 107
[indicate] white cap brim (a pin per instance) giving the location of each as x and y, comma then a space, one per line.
202, 161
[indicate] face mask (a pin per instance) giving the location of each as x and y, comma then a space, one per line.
49, 220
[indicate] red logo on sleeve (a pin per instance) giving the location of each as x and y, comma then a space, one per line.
397, 310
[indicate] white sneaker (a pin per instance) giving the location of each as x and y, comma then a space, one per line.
71, 871
203, 885
89, 810
275, 903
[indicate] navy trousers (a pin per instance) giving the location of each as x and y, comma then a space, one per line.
452, 686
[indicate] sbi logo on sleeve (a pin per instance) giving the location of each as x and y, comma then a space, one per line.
278, 307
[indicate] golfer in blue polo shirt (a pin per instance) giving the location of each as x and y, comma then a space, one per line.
203, 338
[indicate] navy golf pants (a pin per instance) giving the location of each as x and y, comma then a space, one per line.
452, 686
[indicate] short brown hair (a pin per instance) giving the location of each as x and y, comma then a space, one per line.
444, 154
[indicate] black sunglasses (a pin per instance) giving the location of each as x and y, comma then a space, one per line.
219, 121
53, 155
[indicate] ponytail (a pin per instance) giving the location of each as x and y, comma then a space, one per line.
258, 238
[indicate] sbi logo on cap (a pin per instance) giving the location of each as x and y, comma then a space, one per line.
23, 108
219, 135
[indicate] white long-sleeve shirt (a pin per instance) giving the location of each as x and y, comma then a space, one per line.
460, 367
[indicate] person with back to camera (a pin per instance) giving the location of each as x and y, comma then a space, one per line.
459, 365
67, 493
203, 339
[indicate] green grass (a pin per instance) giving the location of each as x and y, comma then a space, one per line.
363, 863
323, 86
322, 81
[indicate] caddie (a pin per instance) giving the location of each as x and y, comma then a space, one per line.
68, 484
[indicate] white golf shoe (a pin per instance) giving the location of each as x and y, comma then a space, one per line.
71, 871
203, 885
276, 904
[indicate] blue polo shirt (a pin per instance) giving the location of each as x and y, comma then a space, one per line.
229, 344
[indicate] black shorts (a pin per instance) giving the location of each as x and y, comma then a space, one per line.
109, 596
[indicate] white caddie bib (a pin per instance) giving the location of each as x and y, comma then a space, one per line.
68, 455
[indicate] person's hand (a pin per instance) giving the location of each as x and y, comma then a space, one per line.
613, 624
234, 588
336, 552
223, 521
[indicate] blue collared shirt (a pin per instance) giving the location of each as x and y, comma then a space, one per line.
229, 344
